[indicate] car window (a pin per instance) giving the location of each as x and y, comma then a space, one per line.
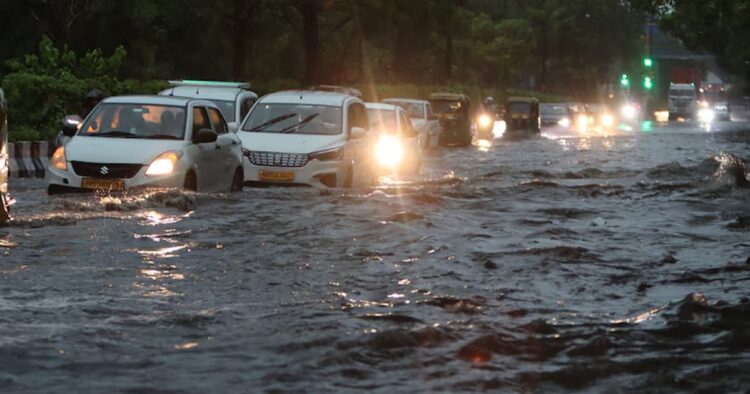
220, 126
245, 107
227, 109
406, 126
135, 121
200, 120
358, 116
382, 120
297, 118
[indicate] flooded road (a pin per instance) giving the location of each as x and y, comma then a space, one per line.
553, 264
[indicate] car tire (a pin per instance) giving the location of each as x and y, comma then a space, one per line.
238, 181
191, 182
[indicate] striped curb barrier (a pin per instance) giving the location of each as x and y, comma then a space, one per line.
28, 159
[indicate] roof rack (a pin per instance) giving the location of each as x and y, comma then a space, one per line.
191, 82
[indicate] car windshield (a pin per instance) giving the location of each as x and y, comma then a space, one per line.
226, 108
294, 118
414, 110
682, 93
135, 121
552, 109
520, 108
382, 120
446, 106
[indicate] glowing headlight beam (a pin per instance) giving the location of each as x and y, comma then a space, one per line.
628, 111
484, 121
706, 115
389, 151
164, 164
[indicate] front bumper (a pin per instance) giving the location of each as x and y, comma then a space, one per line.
322, 174
69, 180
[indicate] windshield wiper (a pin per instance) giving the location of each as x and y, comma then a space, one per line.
114, 133
297, 125
161, 137
272, 121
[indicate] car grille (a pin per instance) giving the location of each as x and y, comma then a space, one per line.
274, 159
101, 170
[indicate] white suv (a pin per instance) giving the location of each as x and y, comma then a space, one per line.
308, 137
233, 98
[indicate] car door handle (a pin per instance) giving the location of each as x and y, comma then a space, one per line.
218, 147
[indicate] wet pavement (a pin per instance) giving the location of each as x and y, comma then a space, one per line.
601, 262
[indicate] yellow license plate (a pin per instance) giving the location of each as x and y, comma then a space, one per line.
276, 176
103, 184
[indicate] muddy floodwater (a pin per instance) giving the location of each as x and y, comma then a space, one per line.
562, 263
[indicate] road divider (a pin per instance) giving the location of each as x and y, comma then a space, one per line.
28, 159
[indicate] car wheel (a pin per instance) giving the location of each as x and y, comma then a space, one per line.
238, 181
191, 182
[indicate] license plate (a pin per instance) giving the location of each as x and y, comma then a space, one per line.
276, 176
103, 184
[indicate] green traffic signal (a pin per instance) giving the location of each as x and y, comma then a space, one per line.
624, 81
648, 84
648, 62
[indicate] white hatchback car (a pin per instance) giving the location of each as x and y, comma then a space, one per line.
398, 148
423, 119
134, 141
233, 98
308, 137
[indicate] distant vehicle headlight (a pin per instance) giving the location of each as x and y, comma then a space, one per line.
484, 120
389, 151
582, 122
706, 115
164, 164
58, 159
564, 122
607, 120
629, 112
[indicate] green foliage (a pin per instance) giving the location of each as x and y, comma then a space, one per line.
44, 87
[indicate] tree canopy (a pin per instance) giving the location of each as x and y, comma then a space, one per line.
550, 45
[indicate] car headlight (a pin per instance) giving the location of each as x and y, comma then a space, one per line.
484, 120
706, 115
628, 111
582, 122
58, 159
389, 151
607, 120
328, 155
164, 164
564, 122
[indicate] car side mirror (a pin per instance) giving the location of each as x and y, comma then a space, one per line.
358, 132
232, 126
432, 117
205, 136
71, 124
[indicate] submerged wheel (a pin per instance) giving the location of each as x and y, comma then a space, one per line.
238, 181
191, 182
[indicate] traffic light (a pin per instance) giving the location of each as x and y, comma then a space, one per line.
624, 81
648, 62
648, 84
